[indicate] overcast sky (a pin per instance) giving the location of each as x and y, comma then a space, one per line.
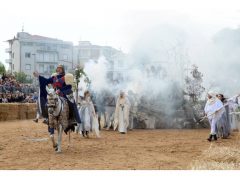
117, 23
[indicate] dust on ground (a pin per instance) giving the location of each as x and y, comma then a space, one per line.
26, 145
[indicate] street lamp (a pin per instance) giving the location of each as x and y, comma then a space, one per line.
34, 66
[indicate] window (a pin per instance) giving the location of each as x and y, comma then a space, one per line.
27, 66
41, 68
13, 55
95, 53
53, 57
65, 46
27, 44
120, 63
65, 57
27, 55
84, 52
46, 57
51, 68
46, 69
39, 57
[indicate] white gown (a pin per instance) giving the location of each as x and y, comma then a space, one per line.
214, 110
88, 117
233, 105
121, 119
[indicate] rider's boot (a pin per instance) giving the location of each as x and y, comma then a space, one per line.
210, 138
215, 137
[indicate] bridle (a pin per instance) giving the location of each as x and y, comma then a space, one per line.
53, 103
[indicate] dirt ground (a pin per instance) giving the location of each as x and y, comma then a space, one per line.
26, 145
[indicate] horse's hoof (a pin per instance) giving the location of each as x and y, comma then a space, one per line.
58, 152
55, 147
45, 122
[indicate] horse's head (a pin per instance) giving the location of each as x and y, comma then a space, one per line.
52, 99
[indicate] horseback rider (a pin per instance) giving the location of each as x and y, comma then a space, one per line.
63, 90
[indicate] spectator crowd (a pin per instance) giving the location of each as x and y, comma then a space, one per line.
12, 91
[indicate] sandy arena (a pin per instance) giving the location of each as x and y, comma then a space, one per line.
26, 145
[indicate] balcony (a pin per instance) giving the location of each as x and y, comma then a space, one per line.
46, 61
8, 61
8, 50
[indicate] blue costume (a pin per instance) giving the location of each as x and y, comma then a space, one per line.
58, 83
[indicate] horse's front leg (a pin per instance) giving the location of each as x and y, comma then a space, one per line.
53, 141
77, 128
60, 131
51, 131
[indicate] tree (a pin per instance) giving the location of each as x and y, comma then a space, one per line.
79, 72
2, 69
22, 77
194, 88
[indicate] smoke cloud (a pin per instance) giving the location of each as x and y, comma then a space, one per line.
160, 60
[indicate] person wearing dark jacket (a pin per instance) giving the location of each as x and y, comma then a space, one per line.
63, 89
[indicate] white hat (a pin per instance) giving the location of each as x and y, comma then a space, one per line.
212, 93
121, 92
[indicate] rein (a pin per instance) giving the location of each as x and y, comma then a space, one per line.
54, 105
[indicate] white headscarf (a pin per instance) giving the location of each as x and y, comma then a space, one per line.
211, 93
122, 93
213, 99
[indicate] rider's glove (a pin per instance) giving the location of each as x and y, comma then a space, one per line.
58, 92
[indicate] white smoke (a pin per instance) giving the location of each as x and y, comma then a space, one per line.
218, 59
155, 64
158, 62
97, 71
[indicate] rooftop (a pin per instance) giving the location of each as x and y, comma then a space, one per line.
26, 36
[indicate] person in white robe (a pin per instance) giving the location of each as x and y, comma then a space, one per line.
233, 105
133, 109
223, 125
228, 121
121, 116
213, 110
109, 110
88, 116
